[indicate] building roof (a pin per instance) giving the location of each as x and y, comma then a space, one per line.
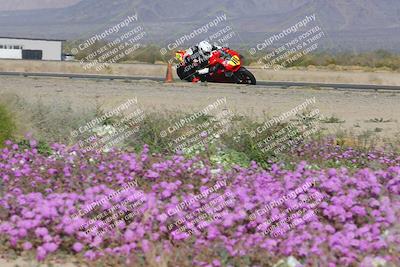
35, 39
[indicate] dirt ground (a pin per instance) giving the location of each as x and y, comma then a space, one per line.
22, 262
356, 75
355, 108
359, 111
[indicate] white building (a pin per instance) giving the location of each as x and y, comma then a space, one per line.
28, 48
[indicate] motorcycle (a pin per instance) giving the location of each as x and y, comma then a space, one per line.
225, 66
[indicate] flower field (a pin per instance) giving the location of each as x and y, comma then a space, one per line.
143, 209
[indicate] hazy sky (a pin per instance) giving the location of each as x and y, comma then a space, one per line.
34, 4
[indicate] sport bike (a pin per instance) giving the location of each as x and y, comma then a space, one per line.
225, 66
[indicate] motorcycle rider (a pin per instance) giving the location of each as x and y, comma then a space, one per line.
199, 55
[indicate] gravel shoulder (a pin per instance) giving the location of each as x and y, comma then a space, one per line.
359, 111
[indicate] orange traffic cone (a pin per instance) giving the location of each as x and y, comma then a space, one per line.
169, 78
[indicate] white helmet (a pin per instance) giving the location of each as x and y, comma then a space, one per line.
205, 48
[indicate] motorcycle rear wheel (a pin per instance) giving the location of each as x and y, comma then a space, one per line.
244, 76
184, 75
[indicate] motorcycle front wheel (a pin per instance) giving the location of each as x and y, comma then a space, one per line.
244, 76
